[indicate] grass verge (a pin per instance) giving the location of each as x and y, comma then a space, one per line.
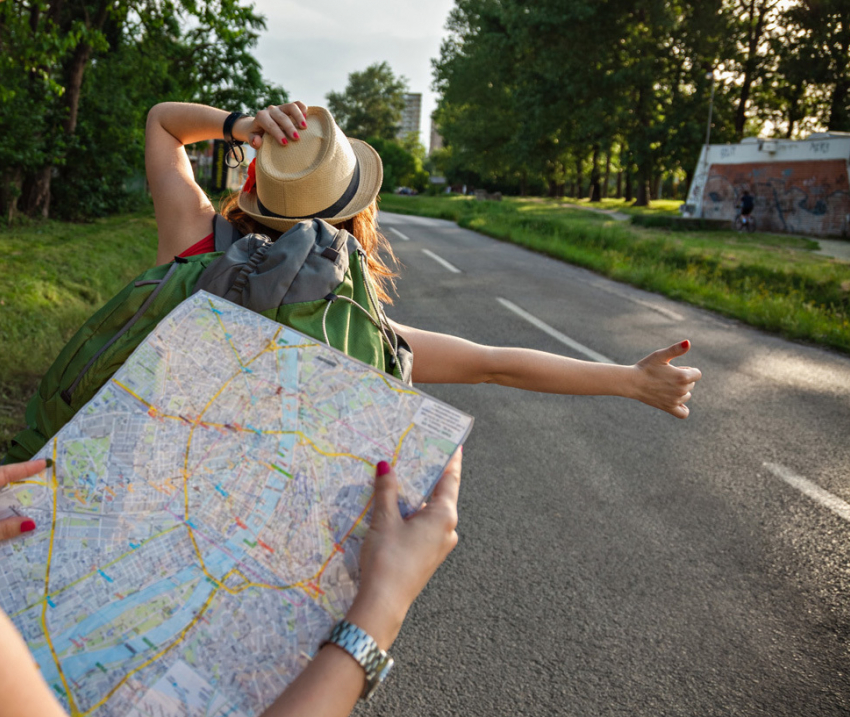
55, 275
771, 281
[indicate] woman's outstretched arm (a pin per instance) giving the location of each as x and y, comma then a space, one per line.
184, 213
440, 358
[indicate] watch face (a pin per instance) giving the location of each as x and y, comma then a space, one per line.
381, 672
384, 669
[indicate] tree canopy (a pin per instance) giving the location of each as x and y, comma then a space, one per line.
77, 79
561, 93
372, 103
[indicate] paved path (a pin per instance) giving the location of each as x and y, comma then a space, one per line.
614, 560
833, 247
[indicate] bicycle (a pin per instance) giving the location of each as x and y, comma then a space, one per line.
744, 223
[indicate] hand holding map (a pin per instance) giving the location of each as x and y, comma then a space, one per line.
198, 533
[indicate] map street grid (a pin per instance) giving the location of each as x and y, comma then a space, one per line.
198, 533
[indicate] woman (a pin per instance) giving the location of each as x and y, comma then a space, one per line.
306, 169
397, 559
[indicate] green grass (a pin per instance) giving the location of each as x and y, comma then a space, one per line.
664, 207
771, 281
55, 275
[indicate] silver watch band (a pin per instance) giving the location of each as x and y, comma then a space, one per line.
360, 645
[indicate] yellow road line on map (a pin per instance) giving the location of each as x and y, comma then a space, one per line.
131, 392
397, 390
30, 482
316, 448
177, 641
55, 485
400, 441
318, 576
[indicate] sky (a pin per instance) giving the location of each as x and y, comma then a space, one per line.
310, 48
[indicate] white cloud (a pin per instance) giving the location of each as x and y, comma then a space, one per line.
310, 48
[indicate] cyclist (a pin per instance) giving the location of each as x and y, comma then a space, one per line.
748, 203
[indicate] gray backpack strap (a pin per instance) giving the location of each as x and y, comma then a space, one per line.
224, 233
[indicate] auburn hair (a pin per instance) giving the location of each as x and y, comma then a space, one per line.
362, 226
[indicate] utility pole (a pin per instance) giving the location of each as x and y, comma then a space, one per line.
710, 77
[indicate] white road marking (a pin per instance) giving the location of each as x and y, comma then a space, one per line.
451, 267
664, 311
813, 490
399, 234
554, 333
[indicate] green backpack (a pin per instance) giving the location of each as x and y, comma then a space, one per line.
314, 279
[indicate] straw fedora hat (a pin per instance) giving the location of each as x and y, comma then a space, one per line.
322, 175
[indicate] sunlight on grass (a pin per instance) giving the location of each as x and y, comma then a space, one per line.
771, 281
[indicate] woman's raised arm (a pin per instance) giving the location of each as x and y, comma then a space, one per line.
184, 213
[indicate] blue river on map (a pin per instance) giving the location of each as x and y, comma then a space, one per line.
76, 666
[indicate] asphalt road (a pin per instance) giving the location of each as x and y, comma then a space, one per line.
614, 560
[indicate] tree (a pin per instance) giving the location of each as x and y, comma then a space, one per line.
823, 49
142, 51
402, 168
372, 103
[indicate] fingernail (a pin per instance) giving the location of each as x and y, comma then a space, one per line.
685, 344
382, 468
461, 449
283, 140
295, 135
28, 526
303, 123
49, 462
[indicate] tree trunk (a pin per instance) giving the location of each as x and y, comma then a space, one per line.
629, 184
579, 181
10, 188
35, 193
607, 181
839, 119
642, 198
75, 85
595, 189
620, 184
754, 33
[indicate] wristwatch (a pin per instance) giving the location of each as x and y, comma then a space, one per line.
360, 645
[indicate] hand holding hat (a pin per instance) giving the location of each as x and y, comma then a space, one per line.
324, 175
280, 122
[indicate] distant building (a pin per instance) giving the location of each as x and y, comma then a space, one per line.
436, 138
410, 117
800, 186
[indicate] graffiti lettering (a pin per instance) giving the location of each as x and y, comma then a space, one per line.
819, 147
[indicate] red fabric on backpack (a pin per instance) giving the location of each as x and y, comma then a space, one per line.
205, 246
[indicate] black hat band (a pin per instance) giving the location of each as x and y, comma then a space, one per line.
330, 211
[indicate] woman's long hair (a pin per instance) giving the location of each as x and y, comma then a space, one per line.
362, 226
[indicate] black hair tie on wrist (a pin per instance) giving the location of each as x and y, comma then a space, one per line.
234, 146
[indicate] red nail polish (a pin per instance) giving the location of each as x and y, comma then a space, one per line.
303, 124
382, 468
685, 344
28, 526
283, 140
295, 135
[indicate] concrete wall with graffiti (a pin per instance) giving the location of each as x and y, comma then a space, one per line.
802, 197
799, 187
